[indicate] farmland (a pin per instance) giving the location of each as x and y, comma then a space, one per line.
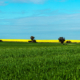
39, 61
26, 40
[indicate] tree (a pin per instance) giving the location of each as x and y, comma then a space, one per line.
61, 39
32, 38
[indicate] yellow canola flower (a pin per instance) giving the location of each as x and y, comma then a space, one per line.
26, 40
15, 40
78, 41
56, 41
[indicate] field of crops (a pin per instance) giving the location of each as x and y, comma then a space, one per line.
39, 61
26, 40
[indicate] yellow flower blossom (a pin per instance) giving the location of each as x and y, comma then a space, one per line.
26, 40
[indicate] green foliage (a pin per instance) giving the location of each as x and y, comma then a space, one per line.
68, 41
40, 61
32, 40
61, 39
0, 40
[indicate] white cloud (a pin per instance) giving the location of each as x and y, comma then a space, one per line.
3, 2
59, 25
26, 1
62, 21
60, 0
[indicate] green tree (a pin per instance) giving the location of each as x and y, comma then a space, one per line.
61, 39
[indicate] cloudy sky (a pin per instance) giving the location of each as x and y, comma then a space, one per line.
43, 19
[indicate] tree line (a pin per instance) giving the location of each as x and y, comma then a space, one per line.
61, 40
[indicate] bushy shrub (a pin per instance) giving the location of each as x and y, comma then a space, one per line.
29, 41
34, 41
68, 41
0, 40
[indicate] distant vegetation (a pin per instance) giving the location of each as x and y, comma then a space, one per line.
32, 39
0, 40
68, 41
61, 39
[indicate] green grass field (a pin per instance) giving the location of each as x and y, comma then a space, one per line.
39, 61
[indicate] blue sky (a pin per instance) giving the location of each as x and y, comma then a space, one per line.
43, 19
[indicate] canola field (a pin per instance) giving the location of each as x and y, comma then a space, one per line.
26, 40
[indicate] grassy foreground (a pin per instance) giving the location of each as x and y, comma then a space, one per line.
39, 61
